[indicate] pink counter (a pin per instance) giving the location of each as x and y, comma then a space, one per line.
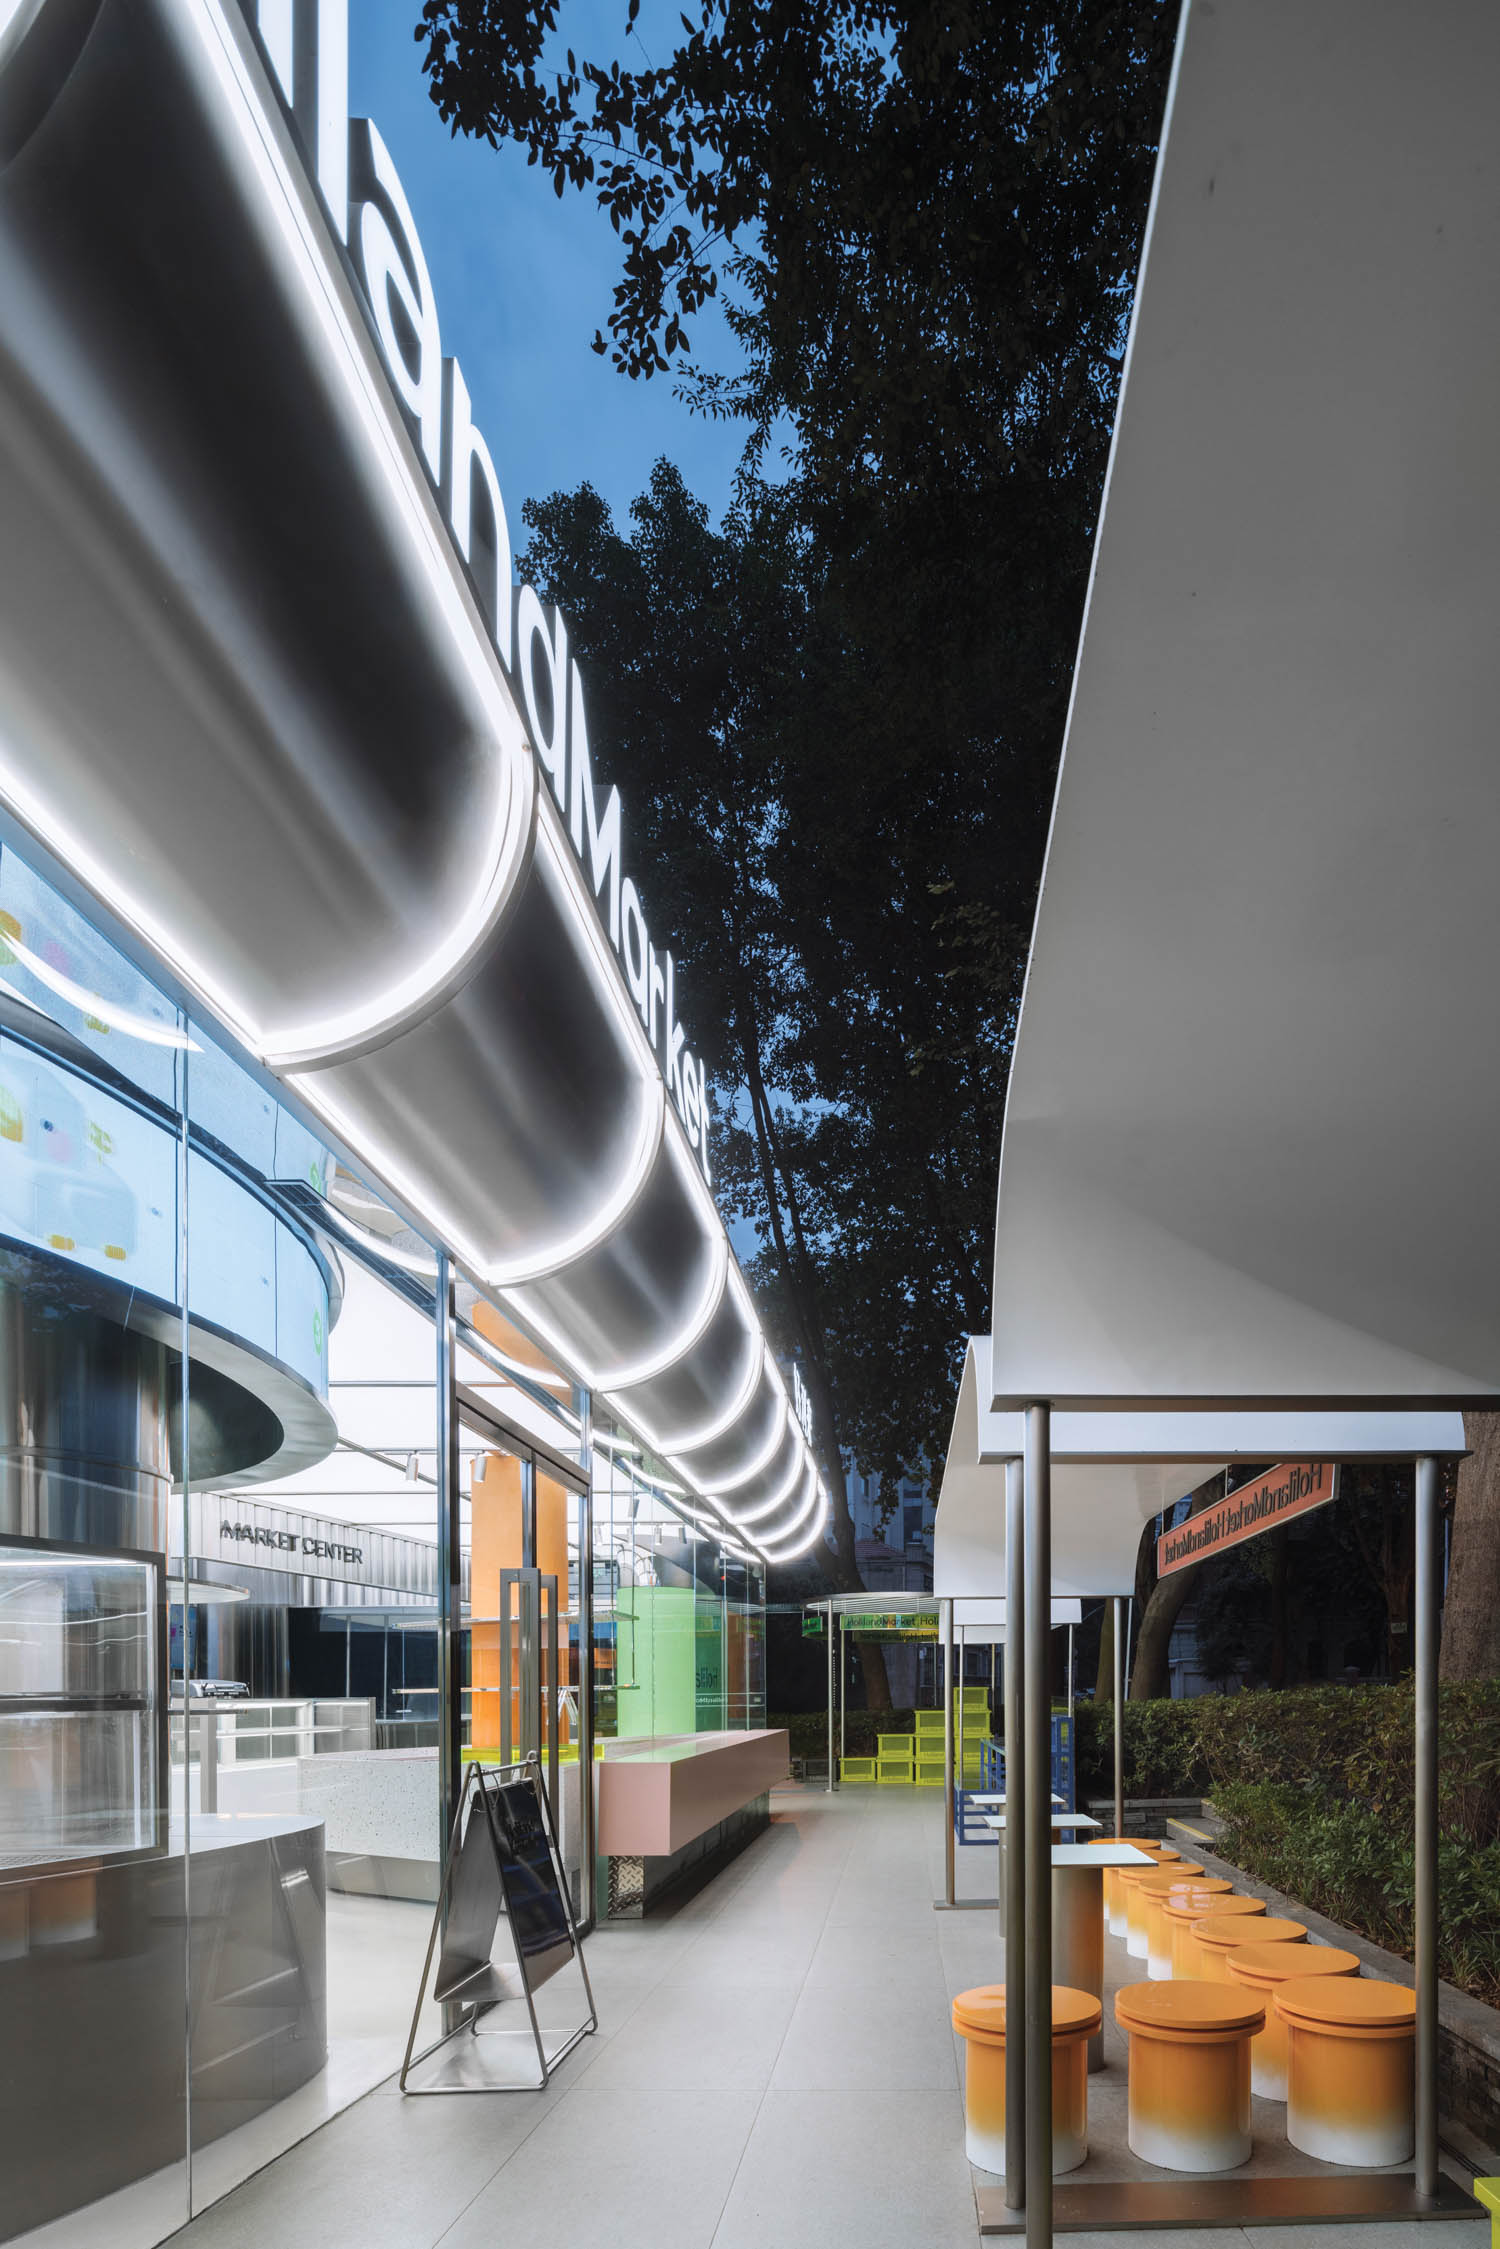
655, 1796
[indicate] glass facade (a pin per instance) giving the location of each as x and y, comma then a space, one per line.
223, 1606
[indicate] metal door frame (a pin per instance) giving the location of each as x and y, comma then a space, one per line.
458, 1407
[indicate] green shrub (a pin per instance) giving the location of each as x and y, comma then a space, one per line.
1316, 1786
1353, 1744
1354, 1862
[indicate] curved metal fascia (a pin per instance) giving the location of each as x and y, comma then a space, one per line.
761, 1461
391, 1171
517, 1273
320, 1046
693, 1328
775, 1547
789, 1554
783, 1492
805, 1467
708, 1432
376, 1019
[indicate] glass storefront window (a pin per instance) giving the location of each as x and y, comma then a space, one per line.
221, 1615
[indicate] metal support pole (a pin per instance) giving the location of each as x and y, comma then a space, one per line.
1070, 1675
1015, 1840
843, 1691
587, 1825
450, 1566
1426, 1820
832, 1767
1038, 1726
949, 1869
1119, 1655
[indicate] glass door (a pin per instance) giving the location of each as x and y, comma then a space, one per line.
525, 1669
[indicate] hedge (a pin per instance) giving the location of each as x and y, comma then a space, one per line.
1315, 1784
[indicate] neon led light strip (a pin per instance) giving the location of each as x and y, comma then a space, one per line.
816, 1507
287, 1045
783, 1491
805, 1505
708, 1432
759, 1464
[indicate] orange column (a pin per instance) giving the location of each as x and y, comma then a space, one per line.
496, 1546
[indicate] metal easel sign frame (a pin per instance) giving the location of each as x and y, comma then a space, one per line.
502, 1860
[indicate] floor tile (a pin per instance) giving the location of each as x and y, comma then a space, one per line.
1454, 2233
614, 2167
730, 1957
874, 1952
847, 2170
1184, 2237
868, 2037
388, 2174
687, 2037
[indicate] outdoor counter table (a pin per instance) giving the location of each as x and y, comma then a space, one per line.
1059, 1819
658, 1796
1078, 1916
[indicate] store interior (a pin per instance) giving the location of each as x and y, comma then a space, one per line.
221, 1805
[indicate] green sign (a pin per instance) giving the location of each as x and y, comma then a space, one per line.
896, 1624
812, 1627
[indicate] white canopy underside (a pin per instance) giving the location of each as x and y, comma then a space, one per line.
1249, 1145
1113, 1471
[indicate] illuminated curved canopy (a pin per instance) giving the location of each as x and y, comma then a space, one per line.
251, 705
1249, 1144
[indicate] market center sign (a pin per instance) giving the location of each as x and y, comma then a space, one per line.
1293, 1488
306, 43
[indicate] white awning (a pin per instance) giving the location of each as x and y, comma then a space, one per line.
1249, 1143
1112, 1472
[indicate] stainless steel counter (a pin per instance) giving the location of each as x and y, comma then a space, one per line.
103, 1958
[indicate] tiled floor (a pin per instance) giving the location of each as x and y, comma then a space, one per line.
773, 2067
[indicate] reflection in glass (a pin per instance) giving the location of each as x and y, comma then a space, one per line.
80, 1710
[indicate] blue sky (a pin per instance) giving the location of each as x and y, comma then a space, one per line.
523, 281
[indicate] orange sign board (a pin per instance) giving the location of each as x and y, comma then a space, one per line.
1294, 1487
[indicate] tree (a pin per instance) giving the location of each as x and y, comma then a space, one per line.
1471, 1615
693, 641
924, 221
1159, 1602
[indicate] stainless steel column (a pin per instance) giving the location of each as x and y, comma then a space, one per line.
587, 1824
1014, 1888
949, 1869
1119, 1656
1038, 1725
450, 1565
832, 1768
1426, 1821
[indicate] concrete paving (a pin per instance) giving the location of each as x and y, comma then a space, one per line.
774, 2066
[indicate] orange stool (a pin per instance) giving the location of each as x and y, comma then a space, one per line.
1126, 1878
1134, 1926
1114, 1908
1350, 2068
1189, 2091
1142, 1898
979, 2019
1199, 1896
1261, 1968
1183, 1919
1219, 1934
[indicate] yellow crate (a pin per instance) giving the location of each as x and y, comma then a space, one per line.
857, 1768
929, 1772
